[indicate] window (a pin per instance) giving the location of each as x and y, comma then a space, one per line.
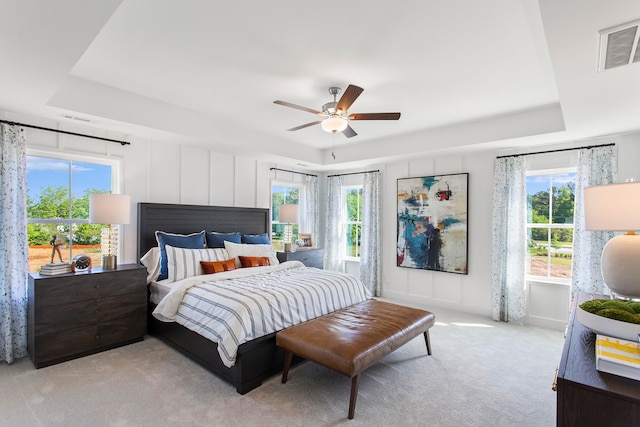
550, 200
58, 208
353, 220
282, 193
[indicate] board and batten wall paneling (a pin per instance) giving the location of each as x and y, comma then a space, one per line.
245, 182
164, 185
221, 183
433, 288
194, 176
263, 185
480, 167
394, 279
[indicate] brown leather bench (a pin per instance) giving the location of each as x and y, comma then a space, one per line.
350, 340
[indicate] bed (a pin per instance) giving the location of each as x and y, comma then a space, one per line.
255, 360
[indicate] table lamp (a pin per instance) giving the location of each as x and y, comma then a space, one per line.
616, 207
109, 209
288, 216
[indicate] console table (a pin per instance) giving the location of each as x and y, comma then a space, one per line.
586, 396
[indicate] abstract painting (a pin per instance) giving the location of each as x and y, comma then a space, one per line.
432, 223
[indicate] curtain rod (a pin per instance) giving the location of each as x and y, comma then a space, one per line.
65, 132
285, 170
555, 151
352, 173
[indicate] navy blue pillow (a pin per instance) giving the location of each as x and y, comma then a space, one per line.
216, 240
186, 241
256, 239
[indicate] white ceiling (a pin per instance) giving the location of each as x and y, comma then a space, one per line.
465, 74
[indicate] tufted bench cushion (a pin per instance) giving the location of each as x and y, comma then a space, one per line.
350, 340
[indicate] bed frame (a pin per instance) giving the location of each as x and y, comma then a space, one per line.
257, 360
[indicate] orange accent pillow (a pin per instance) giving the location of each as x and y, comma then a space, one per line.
210, 267
254, 261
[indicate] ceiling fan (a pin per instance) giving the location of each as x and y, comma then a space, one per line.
336, 112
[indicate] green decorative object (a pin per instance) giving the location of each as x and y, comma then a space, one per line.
624, 311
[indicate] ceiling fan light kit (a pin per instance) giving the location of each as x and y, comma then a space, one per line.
334, 124
337, 117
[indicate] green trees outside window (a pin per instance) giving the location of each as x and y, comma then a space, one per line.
58, 205
353, 220
550, 199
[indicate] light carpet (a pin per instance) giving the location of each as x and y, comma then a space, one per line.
481, 373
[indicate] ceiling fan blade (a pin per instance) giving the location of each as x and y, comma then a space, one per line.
349, 95
306, 125
349, 132
298, 107
374, 116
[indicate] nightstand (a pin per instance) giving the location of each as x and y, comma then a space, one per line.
74, 315
309, 257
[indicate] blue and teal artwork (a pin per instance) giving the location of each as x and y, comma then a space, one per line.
432, 223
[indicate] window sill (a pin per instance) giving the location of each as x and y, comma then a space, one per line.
548, 280
351, 259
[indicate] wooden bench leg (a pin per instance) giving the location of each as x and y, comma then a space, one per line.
426, 340
288, 356
355, 382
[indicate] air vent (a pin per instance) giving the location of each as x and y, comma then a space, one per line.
76, 118
619, 46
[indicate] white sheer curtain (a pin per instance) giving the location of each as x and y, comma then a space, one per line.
370, 241
597, 165
335, 236
309, 211
508, 299
14, 266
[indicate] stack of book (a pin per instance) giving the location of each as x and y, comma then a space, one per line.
617, 356
53, 268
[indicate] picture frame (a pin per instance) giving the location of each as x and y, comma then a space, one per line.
432, 223
307, 240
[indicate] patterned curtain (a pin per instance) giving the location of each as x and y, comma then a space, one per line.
14, 264
335, 236
370, 243
309, 211
508, 299
598, 165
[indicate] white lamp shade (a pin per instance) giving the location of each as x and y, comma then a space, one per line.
612, 207
288, 214
109, 208
334, 124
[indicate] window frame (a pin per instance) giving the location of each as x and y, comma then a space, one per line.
302, 188
116, 184
345, 189
549, 226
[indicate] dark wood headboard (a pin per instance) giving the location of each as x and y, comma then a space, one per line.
185, 219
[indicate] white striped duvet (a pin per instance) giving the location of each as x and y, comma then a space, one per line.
234, 307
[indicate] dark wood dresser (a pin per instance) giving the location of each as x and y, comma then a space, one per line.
586, 396
309, 257
73, 315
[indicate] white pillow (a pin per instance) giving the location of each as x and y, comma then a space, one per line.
151, 260
183, 263
237, 249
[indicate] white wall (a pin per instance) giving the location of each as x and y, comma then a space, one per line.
547, 304
174, 173
471, 292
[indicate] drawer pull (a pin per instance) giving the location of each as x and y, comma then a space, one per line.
97, 286
554, 386
97, 336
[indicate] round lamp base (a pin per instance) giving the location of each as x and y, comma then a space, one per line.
621, 265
